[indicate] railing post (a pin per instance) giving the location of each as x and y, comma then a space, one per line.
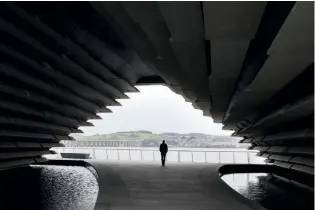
178, 156
248, 160
106, 154
129, 155
94, 153
141, 154
234, 157
219, 157
205, 157
153, 155
117, 153
192, 156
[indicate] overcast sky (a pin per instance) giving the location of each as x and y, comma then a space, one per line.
156, 109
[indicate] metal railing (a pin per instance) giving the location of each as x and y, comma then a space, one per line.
174, 155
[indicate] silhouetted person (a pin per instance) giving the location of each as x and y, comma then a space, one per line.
163, 150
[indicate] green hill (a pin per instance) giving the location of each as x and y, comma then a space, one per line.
132, 135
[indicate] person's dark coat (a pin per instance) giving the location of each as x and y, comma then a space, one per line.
163, 148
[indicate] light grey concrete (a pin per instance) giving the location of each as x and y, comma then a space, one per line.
139, 185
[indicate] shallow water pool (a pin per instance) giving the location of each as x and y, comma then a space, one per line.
270, 194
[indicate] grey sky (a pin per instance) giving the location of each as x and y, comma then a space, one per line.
157, 109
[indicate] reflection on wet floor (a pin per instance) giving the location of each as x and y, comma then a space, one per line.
272, 195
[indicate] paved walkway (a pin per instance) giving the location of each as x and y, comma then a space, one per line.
149, 186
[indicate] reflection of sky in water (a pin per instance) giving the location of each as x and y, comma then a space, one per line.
247, 184
269, 193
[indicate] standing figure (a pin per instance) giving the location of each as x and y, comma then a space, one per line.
163, 150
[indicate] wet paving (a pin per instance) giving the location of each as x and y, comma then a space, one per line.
126, 185
272, 195
177, 186
48, 187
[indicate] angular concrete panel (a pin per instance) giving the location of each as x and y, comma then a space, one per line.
143, 12
184, 20
286, 62
227, 57
232, 20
